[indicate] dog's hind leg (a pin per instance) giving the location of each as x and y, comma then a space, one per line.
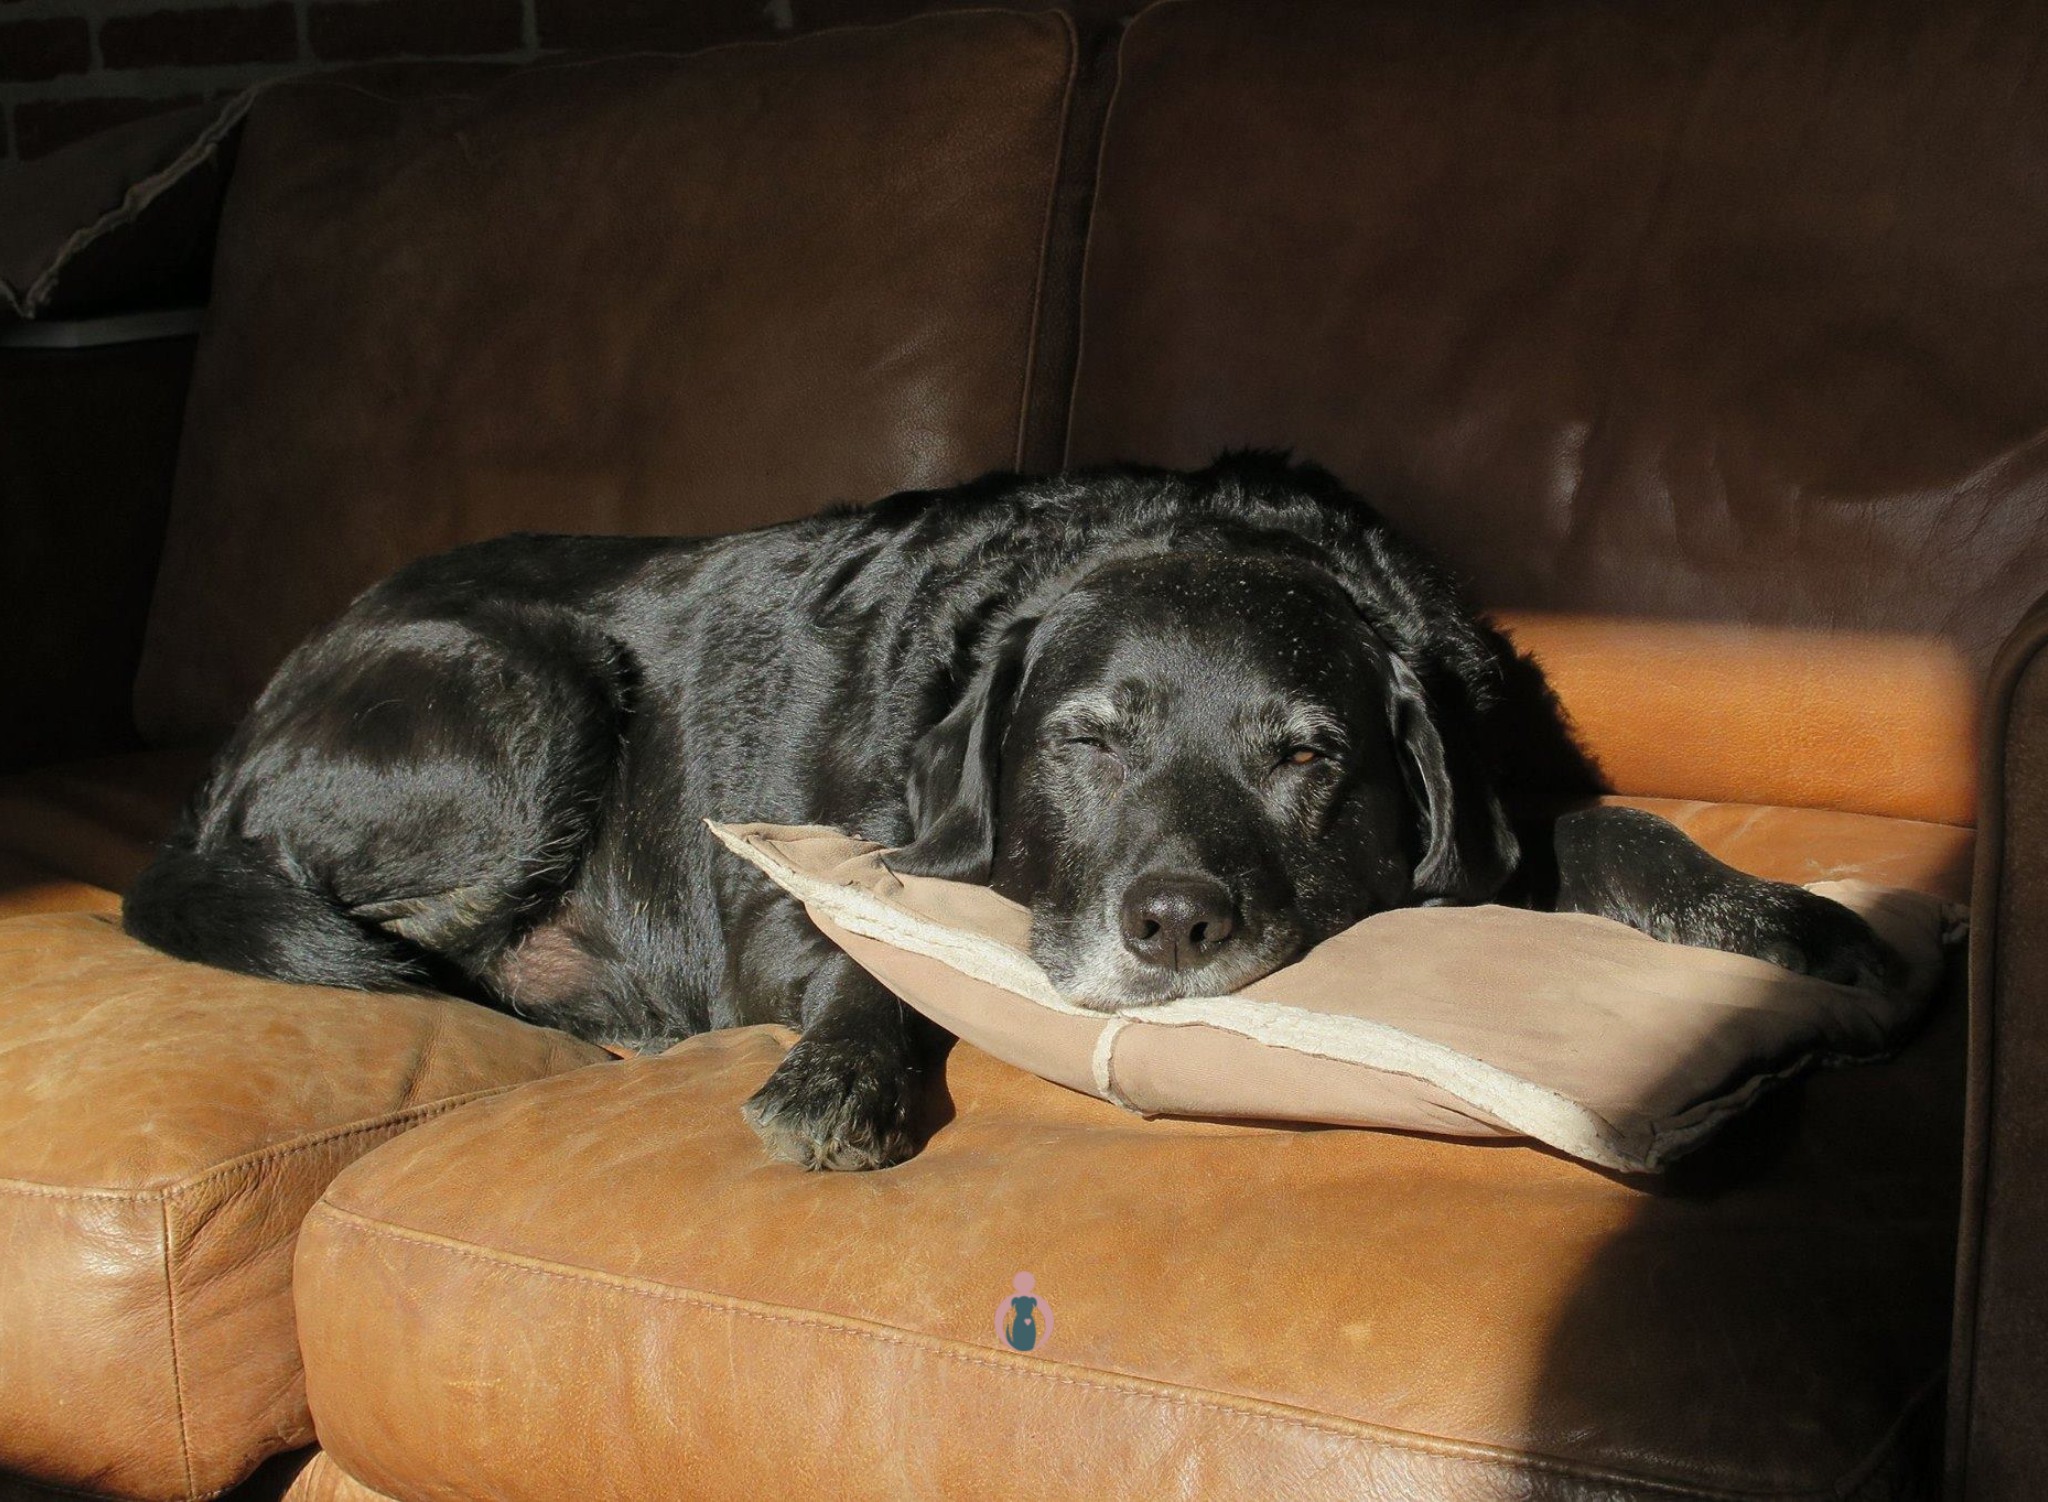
1630, 865
407, 800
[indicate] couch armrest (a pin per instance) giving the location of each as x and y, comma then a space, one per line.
1997, 1445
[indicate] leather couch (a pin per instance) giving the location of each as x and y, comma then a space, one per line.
1709, 342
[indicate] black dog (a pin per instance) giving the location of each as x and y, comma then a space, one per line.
1198, 722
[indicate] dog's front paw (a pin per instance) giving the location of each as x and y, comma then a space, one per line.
1807, 934
836, 1104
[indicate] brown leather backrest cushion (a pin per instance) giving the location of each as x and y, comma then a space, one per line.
647, 294
1726, 317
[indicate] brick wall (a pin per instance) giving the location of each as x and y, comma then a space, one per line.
72, 67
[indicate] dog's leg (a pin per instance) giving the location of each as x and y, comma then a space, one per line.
848, 1095
1632, 866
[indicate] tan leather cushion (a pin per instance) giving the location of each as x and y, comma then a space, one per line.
72, 836
163, 1128
650, 294
1722, 319
1874, 723
648, 1305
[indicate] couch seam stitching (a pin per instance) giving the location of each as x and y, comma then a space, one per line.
60, 1192
177, 1365
1238, 1406
1033, 329
267, 1155
1088, 233
258, 1158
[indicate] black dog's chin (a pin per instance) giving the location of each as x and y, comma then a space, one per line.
1104, 981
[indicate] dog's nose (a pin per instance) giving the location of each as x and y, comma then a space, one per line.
1177, 921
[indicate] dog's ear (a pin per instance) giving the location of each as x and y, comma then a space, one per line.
954, 770
1468, 847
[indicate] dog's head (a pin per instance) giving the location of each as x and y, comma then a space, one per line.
1194, 766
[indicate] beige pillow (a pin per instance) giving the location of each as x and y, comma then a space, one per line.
1464, 1022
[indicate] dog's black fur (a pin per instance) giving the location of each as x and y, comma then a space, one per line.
1198, 721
